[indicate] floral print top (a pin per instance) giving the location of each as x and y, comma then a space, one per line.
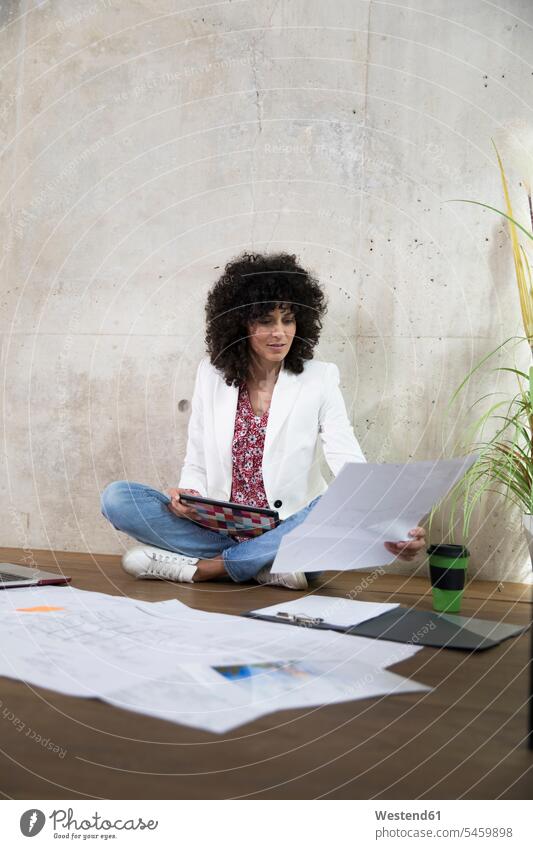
247, 452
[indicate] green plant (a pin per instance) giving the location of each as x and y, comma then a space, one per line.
520, 259
505, 459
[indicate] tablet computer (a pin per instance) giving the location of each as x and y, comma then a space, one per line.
229, 518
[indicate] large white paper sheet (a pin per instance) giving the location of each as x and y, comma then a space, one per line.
335, 611
164, 653
209, 701
366, 505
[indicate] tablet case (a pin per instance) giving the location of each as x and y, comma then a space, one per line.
421, 628
227, 517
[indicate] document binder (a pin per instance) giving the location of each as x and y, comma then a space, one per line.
418, 627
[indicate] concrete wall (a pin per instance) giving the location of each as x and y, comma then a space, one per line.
145, 143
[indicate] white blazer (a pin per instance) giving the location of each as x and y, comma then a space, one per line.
304, 408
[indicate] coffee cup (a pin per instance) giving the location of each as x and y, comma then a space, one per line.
447, 570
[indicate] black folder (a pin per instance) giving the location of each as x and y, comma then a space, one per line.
418, 627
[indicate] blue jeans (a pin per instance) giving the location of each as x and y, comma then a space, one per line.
142, 513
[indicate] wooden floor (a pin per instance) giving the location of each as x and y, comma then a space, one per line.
465, 739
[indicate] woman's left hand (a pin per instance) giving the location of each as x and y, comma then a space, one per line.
408, 549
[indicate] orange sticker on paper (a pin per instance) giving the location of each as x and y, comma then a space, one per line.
42, 608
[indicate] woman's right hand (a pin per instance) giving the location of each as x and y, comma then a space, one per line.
184, 511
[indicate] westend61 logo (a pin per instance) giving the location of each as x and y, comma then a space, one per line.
65, 825
31, 822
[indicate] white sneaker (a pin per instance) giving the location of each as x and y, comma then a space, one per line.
146, 561
291, 580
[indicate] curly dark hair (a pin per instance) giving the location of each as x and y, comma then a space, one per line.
251, 286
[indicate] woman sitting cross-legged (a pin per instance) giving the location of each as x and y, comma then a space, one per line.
261, 406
